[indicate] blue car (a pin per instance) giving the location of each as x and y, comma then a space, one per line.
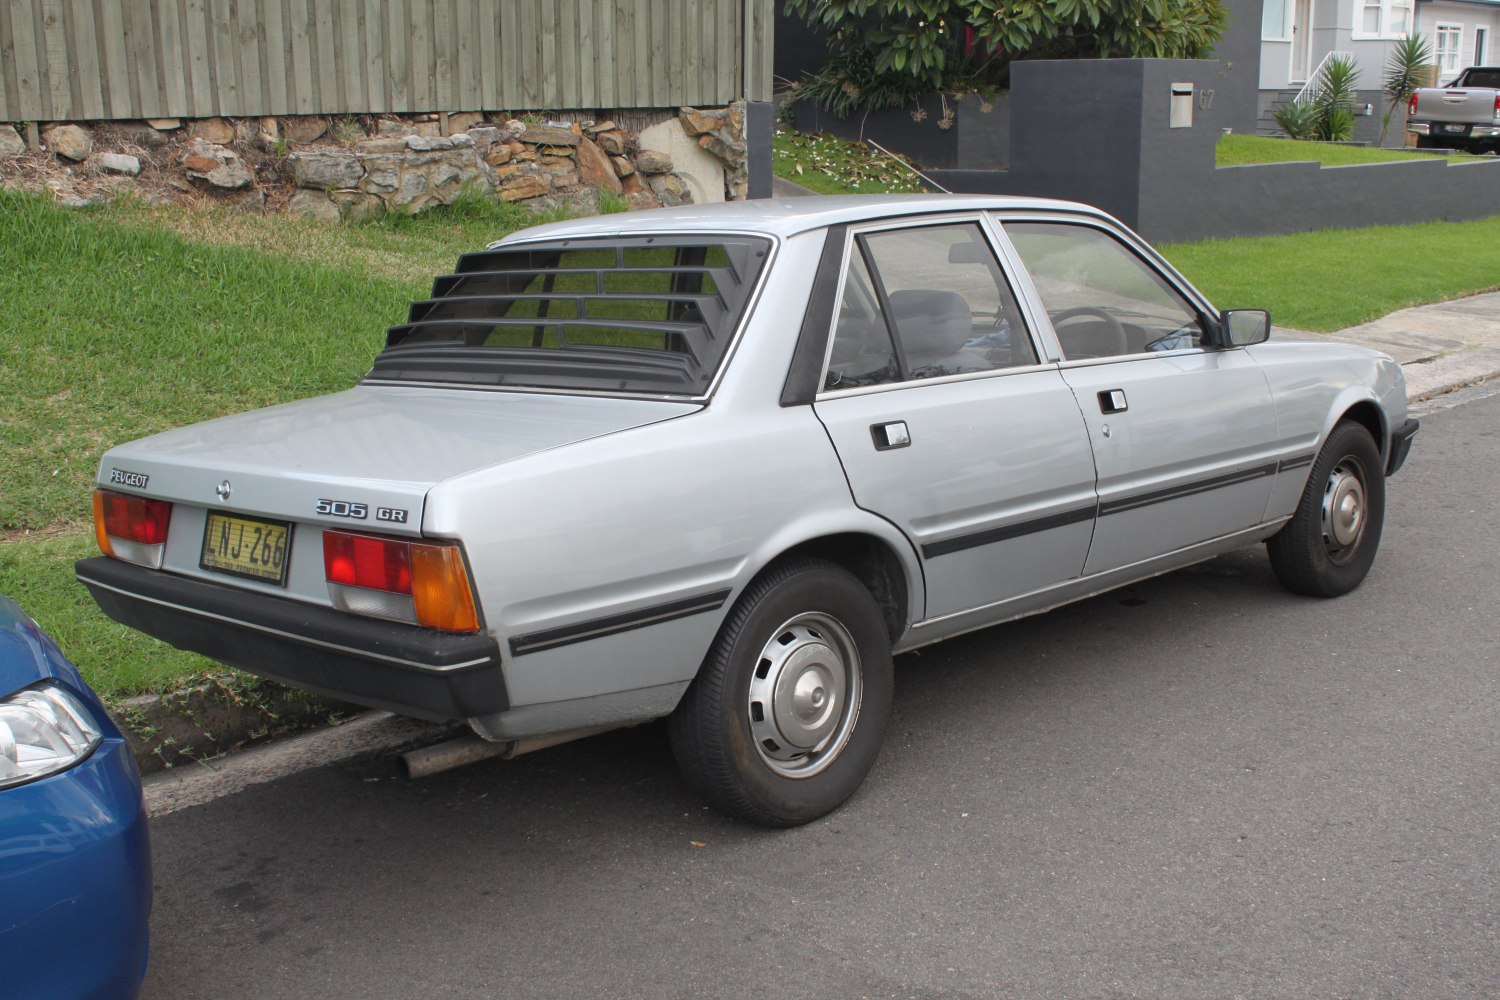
75, 864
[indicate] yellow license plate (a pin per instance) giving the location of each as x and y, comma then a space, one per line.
246, 546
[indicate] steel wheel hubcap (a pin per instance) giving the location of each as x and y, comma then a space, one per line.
804, 695
1343, 509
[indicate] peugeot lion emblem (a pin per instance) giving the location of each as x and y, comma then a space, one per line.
223, 490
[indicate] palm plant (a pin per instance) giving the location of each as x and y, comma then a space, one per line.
1405, 72
1334, 99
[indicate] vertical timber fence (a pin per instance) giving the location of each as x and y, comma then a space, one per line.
70, 60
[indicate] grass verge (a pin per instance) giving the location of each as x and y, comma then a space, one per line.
1239, 150
1338, 278
830, 165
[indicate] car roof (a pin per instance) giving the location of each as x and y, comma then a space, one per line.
786, 216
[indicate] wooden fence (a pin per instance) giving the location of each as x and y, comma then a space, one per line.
123, 59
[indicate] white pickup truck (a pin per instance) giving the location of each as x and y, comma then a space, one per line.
1465, 115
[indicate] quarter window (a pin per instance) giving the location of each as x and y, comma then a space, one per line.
1104, 301
939, 292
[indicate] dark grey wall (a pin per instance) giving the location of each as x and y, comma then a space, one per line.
760, 127
1098, 132
977, 139
1236, 83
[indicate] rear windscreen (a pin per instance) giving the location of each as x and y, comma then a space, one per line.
638, 315
1482, 78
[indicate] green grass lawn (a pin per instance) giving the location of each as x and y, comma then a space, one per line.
1237, 150
830, 165
1334, 279
129, 319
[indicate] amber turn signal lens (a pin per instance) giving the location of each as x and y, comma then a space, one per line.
440, 589
100, 534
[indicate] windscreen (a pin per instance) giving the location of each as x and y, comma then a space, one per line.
651, 315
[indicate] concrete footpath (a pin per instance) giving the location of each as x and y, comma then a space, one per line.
1442, 348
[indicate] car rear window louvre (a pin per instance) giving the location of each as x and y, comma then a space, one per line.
641, 314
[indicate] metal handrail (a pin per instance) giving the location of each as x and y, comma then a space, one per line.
1317, 74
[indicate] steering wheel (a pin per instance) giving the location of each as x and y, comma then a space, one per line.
1117, 343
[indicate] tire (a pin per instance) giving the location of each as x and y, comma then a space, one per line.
1329, 545
788, 713
1426, 142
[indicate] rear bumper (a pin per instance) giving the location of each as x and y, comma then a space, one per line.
1401, 445
401, 668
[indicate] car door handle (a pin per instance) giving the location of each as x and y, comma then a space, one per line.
890, 435
1113, 401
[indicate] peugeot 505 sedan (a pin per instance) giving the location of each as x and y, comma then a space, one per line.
75, 863
719, 463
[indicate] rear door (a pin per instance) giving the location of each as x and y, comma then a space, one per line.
1183, 432
946, 423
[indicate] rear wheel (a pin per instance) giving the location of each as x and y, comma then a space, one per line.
1329, 545
789, 711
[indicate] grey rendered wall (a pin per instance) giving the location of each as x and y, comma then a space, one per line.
1099, 132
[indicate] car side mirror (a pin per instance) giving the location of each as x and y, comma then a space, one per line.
1243, 327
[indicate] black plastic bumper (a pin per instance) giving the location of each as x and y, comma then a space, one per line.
1401, 445
402, 668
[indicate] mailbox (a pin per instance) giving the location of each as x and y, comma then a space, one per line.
1182, 106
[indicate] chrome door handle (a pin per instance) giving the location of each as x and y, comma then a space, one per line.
890, 435
1113, 401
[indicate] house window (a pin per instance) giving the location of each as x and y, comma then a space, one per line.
1450, 38
1276, 20
1481, 40
1383, 18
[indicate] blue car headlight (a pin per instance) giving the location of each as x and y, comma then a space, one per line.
43, 730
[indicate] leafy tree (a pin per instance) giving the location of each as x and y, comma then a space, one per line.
884, 53
1404, 74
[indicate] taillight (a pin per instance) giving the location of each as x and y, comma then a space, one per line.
1411, 105
1497, 107
423, 583
131, 528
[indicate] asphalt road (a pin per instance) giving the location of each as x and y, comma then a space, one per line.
1197, 787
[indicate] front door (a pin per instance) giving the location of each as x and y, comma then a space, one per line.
945, 422
1183, 433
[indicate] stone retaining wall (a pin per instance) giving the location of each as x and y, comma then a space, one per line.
349, 168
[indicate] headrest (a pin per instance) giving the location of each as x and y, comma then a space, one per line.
932, 322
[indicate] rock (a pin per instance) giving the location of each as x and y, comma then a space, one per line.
214, 130
314, 205
413, 187
11, 143
270, 129
669, 189
462, 121
220, 167
164, 124
422, 144
390, 144
522, 188
550, 135
69, 141
515, 127
394, 129
623, 166
498, 156
75, 201
569, 180
613, 143
642, 200
357, 205
649, 161
695, 122
484, 136
595, 168
598, 127
431, 130
117, 163
320, 171
304, 128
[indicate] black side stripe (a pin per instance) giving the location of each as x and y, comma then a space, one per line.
551, 638
1186, 489
1297, 462
975, 539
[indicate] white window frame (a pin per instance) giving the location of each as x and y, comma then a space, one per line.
1449, 61
1288, 12
1388, 9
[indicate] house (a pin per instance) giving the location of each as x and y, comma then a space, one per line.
1298, 35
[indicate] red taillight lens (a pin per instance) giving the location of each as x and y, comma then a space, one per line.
1497, 107
130, 518
367, 561
431, 574
1411, 105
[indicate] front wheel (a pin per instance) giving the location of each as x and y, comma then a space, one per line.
1329, 545
789, 711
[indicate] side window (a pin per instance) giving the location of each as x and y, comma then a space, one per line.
1104, 301
939, 289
